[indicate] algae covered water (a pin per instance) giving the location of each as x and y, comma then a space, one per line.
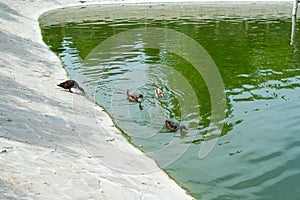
256, 154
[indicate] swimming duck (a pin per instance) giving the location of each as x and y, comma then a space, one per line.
70, 84
133, 97
174, 126
158, 93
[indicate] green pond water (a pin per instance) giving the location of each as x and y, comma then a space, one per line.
257, 155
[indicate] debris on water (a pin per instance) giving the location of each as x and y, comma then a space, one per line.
232, 154
4, 151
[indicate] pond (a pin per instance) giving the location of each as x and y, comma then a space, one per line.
232, 80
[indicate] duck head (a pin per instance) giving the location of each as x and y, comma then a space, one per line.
140, 98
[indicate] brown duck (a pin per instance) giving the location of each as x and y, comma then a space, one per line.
174, 126
133, 97
158, 93
70, 84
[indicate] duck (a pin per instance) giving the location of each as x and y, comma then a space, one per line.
70, 84
158, 93
133, 97
174, 126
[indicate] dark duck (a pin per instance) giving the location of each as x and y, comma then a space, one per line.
133, 97
70, 84
174, 126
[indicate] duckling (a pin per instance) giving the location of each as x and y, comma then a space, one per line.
70, 84
133, 97
158, 93
174, 126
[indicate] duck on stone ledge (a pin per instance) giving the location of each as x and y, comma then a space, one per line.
70, 84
